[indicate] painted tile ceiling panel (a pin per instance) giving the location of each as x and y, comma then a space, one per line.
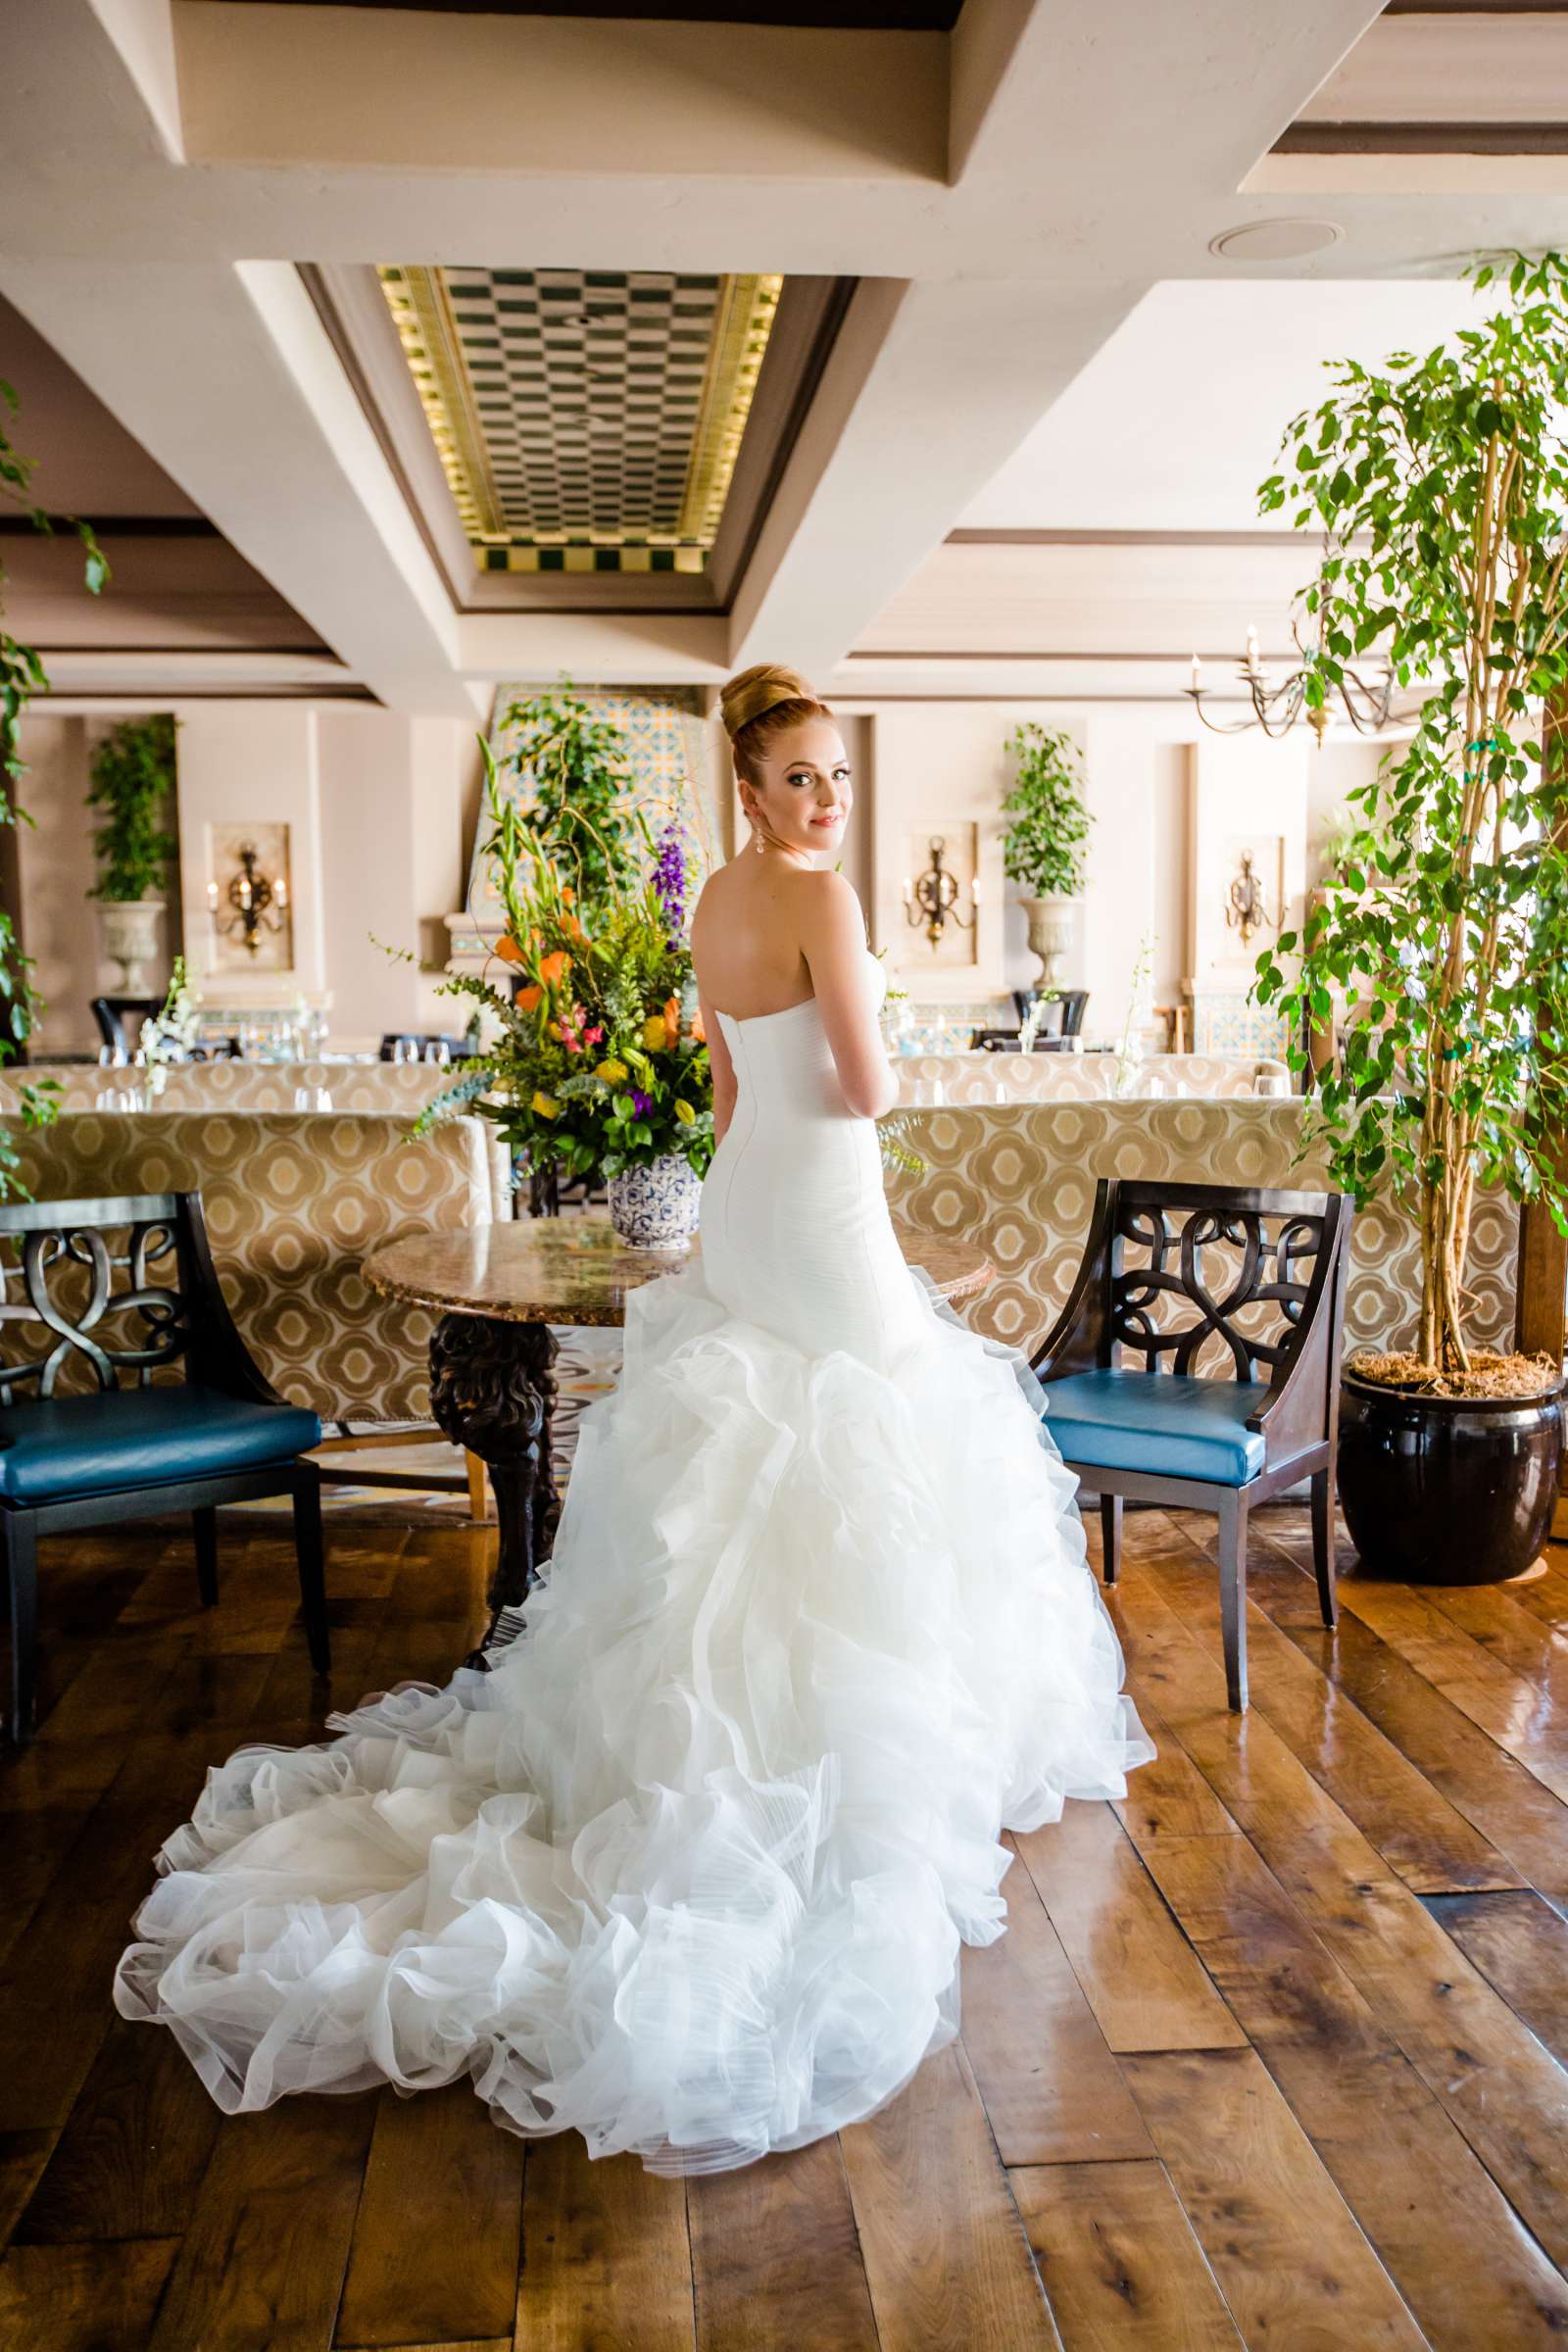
587, 420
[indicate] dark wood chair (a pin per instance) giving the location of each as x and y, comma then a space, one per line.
122, 1313
461, 1049
1068, 1022
1171, 1271
111, 1014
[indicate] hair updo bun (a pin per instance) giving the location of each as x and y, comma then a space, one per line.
760, 703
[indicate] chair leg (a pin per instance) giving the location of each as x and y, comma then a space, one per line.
21, 1576
1233, 1596
204, 1523
1110, 1536
1323, 1560
478, 1487
308, 1549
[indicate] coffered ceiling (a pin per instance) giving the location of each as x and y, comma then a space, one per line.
879, 246
588, 420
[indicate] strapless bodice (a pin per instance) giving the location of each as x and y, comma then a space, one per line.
784, 1065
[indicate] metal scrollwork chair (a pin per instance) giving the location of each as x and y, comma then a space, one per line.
1170, 1272
92, 1316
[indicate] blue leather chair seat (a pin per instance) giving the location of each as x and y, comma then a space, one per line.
54, 1447
1168, 1422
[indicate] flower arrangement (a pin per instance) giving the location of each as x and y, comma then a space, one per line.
172, 1029
599, 1062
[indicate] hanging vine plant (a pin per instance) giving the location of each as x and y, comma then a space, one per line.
21, 677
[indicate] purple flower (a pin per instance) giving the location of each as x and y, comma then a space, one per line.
669, 877
641, 1103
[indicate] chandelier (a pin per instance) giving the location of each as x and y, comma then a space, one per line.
1276, 706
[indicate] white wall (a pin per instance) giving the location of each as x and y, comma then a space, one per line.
380, 811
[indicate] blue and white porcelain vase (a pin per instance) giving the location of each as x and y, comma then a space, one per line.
656, 1207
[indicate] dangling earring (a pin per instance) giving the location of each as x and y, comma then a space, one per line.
760, 843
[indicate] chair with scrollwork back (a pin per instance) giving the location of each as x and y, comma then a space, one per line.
1173, 1272
104, 1305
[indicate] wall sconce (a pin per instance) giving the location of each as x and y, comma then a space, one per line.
933, 898
250, 896
1245, 905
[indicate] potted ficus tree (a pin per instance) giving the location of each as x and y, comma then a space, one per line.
1044, 846
132, 783
1440, 483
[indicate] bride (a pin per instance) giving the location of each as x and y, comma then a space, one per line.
688, 1872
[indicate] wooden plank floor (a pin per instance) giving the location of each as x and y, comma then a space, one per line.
1272, 2054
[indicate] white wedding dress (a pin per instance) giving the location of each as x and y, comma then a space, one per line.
689, 1870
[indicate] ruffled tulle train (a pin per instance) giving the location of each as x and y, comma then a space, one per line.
689, 1870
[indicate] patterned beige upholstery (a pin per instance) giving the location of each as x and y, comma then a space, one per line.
1020, 1178
927, 1079
293, 1204
333, 1086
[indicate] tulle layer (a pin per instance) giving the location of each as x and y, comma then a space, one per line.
689, 1870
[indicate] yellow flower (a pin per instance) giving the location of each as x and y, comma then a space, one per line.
654, 1039
685, 1113
545, 1105
612, 1071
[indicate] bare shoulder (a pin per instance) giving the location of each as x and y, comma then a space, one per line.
829, 906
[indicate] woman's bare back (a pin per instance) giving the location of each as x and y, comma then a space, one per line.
746, 937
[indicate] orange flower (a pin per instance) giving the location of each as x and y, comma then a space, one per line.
553, 969
699, 1033
672, 1020
528, 998
508, 949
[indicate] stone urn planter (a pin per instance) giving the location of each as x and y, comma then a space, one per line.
1447, 1490
128, 931
1052, 933
655, 1207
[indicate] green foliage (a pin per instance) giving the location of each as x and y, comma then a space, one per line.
1044, 847
599, 1064
133, 771
22, 676
1441, 484
577, 812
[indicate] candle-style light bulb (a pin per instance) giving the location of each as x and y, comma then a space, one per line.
1251, 648
974, 890
908, 892
212, 898
244, 890
1197, 674
280, 895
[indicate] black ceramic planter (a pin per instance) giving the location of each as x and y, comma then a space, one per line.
1447, 1490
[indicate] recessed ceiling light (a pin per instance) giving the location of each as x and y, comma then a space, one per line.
1275, 240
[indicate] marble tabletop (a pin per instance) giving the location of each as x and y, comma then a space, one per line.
576, 1269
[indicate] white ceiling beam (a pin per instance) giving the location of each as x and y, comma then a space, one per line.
226, 375
1449, 68
931, 388
538, 94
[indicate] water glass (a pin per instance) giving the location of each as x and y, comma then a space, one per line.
439, 1052
405, 1049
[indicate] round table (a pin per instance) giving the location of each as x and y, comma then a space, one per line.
497, 1288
